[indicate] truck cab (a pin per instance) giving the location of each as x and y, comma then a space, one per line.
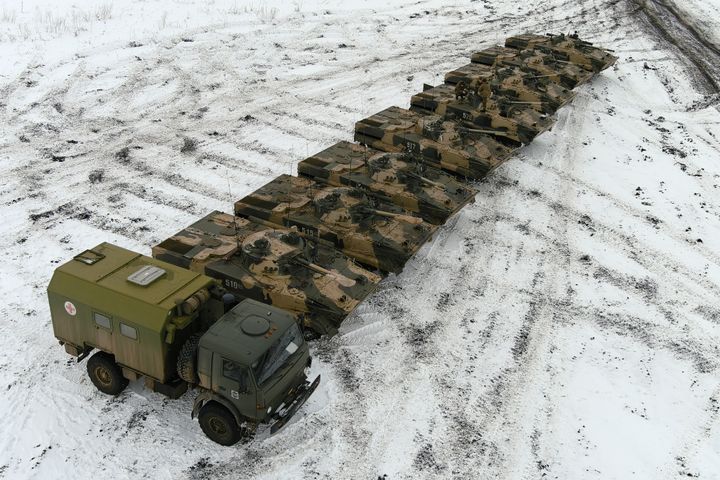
251, 362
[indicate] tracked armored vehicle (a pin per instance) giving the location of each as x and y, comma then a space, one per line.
540, 63
391, 177
535, 63
429, 139
487, 56
478, 108
380, 235
565, 48
280, 267
514, 85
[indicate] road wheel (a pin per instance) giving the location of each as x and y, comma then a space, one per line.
105, 374
219, 424
187, 360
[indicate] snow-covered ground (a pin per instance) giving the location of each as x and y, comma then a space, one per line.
566, 325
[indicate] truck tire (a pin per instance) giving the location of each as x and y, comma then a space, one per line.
187, 360
219, 424
105, 374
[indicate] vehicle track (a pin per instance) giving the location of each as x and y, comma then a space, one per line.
667, 23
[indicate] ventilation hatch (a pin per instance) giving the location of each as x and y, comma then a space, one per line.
146, 275
89, 257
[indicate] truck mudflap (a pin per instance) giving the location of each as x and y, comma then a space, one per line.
286, 413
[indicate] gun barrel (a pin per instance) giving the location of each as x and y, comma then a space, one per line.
400, 217
426, 180
341, 279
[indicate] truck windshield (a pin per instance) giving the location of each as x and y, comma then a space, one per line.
278, 354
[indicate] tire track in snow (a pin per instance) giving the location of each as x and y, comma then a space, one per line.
670, 25
641, 289
636, 251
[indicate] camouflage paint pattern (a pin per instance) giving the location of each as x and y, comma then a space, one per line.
477, 108
515, 85
565, 73
392, 177
377, 234
471, 74
488, 55
316, 283
432, 140
536, 63
568, 48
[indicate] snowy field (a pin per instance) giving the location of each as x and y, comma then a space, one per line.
566, 325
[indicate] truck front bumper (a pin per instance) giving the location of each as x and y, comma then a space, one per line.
285, 413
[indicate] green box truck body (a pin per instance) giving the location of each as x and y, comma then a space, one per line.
94, 304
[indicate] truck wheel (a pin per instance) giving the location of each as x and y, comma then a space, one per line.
187, 360
309, 334
219, 424
105, 374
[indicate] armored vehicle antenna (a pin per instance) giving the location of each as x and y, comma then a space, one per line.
235, 224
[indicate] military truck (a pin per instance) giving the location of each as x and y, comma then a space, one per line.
179, 329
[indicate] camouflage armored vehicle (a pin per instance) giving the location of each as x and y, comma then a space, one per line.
566, 48
150, 319
478, 108
471, 74
433, 141
306, 277
392, 177
377, 234
487, 56
516, 86
540, 65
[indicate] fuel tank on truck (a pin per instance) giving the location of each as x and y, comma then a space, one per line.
375, 233
392, 177
277, 266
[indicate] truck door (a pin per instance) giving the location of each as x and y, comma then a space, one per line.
233, 382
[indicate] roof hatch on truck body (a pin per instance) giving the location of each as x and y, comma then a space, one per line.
146, 275
103, 282
98, 262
